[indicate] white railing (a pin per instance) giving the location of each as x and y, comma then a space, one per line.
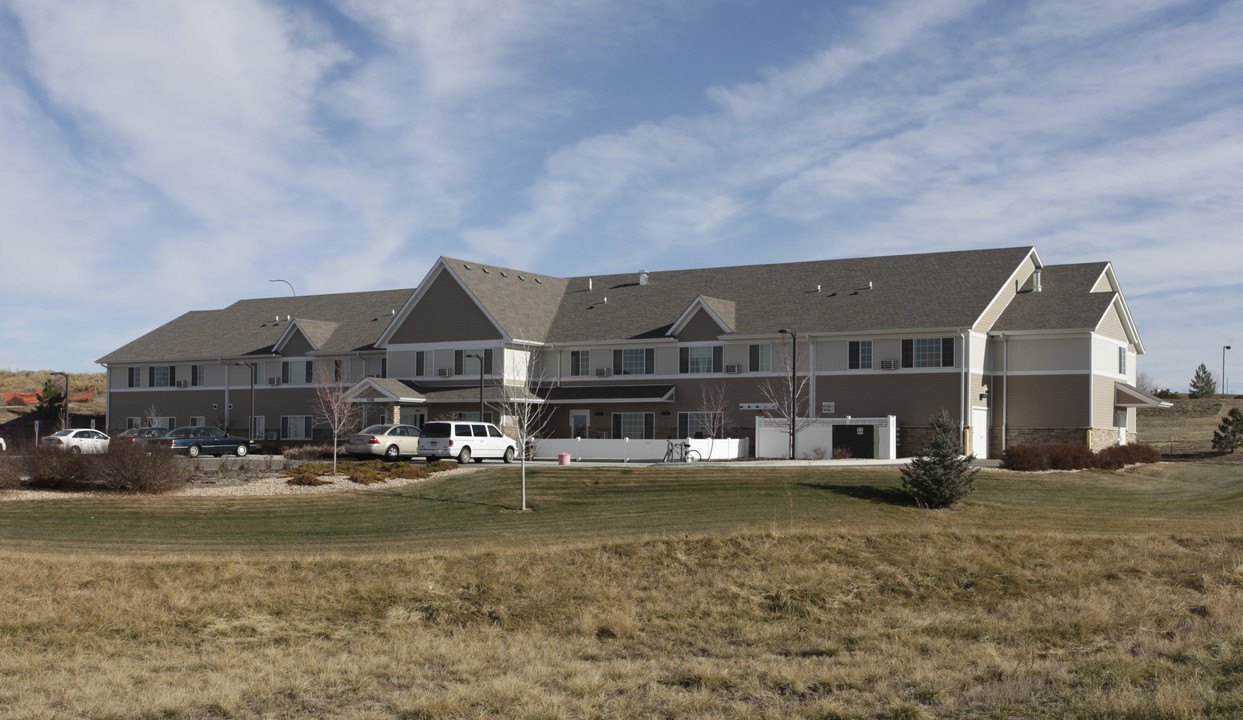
627, 450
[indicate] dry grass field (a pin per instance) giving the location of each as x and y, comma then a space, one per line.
1186, 429
633, 593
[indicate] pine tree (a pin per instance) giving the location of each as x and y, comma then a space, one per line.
1229, 434
51, 402
940, 476
1202, 385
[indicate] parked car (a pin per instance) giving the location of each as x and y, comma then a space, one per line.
466, 441
144, 434
202, 440
77, 441
390, 441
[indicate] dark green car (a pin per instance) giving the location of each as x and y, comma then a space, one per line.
202, 440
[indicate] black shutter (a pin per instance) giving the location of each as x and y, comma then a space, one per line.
754, 352
384, 367
853, 355
284, 427
487, 365
683, 425
617, 362
309, 363
575, 358
684, 360
947, 352
908, 353
457, 362
172, 375
306, 425
649, 426
284, 381
617, 426
649, 361
718, 359
420, 364
151, 376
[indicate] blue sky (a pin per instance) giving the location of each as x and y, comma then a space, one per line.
159, 157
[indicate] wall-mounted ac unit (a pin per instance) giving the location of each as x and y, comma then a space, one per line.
274, 381
181, 383
888, 364
603, 372
733, 368
445, 372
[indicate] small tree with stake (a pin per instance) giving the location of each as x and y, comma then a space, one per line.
1229, 434
335, 407
940, 475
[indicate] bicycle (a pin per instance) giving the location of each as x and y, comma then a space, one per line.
681, 452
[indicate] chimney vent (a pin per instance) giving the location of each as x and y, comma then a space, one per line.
643, 278
590, 284
1036, 286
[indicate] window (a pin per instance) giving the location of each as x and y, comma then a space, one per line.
473, 416
580, 362
701, 359
161, 375
257, 423
928, 352
133, 422
295, 427
135, 377
197, 421
761, 358
1122, 361
634, 361
860, 355
700, 424
295, 371
463, 364
638, 426
196, 375
167, 422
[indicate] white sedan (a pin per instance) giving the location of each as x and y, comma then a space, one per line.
388, 441
77, 441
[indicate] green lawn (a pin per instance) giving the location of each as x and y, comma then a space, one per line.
589, 505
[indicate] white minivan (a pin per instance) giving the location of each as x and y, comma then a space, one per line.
465, 441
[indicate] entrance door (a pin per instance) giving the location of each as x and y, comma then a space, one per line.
1120, 423
579, 422
413, 417
979, 432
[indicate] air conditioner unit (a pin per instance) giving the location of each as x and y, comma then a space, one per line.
888, 364
181, 383
733, 368
274, 381
445, 372
603, 372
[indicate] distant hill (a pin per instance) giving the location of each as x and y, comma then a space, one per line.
33, 381
1186, 429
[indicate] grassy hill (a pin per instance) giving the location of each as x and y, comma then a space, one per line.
1186, 429
690, 593
16, 423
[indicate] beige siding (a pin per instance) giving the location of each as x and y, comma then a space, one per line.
1102, 284
1111, 325
1042, 401
1105, 357
834, 355
665, 360
701, 328
998, 306
445, 313
1027, 354
1103, 399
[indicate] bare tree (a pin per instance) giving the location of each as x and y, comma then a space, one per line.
787, 396
151, 414
522, 405
714, 412
1144, 382
334, 407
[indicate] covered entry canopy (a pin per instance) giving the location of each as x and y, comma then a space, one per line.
1129, 396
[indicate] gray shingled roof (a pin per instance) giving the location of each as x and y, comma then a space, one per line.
934, 290
1065, 302
341, 322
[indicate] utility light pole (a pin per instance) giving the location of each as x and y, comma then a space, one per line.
1221, 386
793, 383
295, 292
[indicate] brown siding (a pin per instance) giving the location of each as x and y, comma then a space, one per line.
270, 402
298, 346
1042, 401
445, 313
912, 397
701, 328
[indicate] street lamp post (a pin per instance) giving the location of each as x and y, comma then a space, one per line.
1221, 386
793, 383
64, 423
295, 292
250, 423
479, 357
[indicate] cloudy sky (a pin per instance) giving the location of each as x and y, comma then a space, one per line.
158, 157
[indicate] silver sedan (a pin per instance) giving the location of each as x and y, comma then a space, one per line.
388, 441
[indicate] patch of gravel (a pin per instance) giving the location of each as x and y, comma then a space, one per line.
237, 484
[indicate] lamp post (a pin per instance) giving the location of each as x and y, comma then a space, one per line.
295, 292
479, 357
1221, 386
250, 423
793, 382
64, 423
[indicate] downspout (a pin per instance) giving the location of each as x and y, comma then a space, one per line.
964, 404
107, 399
227, 407
811, 378
1005, 391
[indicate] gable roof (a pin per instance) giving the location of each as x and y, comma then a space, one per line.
1066, 301
933, 290
722, 313
337, 322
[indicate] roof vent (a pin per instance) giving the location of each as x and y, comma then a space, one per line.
541, 282
606, 299
466, 266
590, 283
521, 278
504, 274
643, 278
288, 318
278, 318
393, 313
485, 270
817, 288
1036, 287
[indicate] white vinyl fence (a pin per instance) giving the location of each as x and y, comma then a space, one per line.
627, 450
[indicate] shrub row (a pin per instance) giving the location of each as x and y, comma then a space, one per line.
125, 468
1030, 458
365, 472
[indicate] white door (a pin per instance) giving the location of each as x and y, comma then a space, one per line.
1120, 422
979, 432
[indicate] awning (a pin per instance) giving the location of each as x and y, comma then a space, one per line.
1129, 396
612, 394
